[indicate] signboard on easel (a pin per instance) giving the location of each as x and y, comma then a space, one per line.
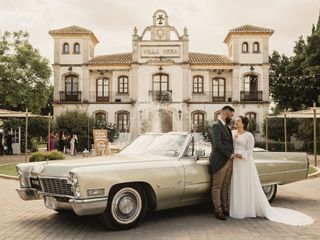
100, 139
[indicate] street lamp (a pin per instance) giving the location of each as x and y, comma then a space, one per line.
70, 69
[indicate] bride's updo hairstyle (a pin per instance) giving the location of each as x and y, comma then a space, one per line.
245, 122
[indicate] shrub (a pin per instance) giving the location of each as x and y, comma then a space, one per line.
43, 156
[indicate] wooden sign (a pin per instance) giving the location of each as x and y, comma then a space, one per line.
100, 139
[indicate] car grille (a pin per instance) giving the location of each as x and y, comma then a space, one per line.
56, 186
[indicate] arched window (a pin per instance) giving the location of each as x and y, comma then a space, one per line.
71, 84
76, 48
245, 47
256, 47
198, 84
218, 89
253, 127
100, 116
251, 115
71, 87
250, 83
66, 49
123, 121
160, 87
102, 89
123, 84
198, 120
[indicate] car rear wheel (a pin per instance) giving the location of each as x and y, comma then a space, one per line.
126, 208
270, 191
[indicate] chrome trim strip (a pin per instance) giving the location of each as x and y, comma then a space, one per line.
268, 174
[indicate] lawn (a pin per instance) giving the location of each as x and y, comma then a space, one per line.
8, 170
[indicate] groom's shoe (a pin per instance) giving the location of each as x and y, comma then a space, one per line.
226, 213
220, 216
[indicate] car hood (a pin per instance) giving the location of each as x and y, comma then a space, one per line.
61, 168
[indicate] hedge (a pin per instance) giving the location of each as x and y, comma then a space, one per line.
44, 156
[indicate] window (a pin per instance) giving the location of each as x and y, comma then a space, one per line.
256, 48
66, 48
251, 115
252, 121
103, 89
245, 47
218, 89
161, 82
71, 84
76, 48
123, 84
198, 121
100, 117
250, 83
123, 121
198, 84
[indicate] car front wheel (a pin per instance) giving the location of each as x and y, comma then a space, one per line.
126, 208
270, 191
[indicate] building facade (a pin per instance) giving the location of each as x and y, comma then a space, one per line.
160, 85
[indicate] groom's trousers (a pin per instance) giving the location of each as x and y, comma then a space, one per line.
220, 187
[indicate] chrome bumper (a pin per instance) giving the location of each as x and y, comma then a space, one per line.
81, 207
29, 194
89, 206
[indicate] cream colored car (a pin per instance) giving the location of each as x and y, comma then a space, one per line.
154, 172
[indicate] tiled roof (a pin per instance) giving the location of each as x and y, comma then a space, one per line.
251, 29
126, 58
73, 30
204, 58
112, 59
248, 29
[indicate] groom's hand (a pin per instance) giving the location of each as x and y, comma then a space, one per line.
239, 156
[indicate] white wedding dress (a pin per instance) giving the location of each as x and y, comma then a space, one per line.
247, 198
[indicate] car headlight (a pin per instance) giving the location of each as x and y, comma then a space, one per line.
73, 180
95, 192
21, 177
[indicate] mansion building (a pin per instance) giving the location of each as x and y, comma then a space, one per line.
160, 85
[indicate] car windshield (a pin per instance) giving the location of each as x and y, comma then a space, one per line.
156, 145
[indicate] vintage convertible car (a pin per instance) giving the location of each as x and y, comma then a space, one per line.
156, 171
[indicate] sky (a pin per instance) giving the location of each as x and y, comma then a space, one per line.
207, 21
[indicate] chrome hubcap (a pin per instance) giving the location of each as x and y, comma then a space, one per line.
268, 190
126, 205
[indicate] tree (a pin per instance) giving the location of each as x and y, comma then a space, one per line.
76, 122
24, 74
295, 81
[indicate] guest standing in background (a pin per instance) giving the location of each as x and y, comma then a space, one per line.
73, 144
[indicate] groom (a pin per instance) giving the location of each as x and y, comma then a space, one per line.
221, 162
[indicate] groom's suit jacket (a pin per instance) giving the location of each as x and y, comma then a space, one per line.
222, 146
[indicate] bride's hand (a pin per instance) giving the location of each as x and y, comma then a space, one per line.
238, 156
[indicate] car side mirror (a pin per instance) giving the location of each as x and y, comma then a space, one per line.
199, 153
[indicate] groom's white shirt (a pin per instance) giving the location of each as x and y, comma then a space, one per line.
223, 122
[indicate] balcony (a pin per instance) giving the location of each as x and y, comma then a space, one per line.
161, 96
251, 96
211, 97
110, 97
70, 96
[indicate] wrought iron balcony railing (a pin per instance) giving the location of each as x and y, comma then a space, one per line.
211, 97
70, 96
109, 97
251, 96
161, 96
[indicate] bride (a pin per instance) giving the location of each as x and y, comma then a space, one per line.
247, 198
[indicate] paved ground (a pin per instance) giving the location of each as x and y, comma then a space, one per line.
31, 220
